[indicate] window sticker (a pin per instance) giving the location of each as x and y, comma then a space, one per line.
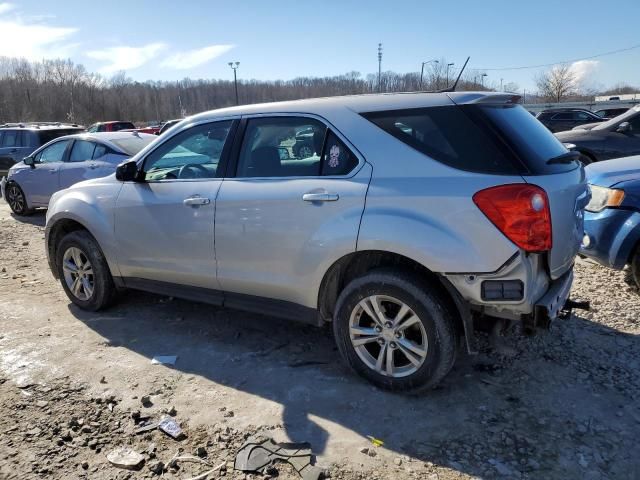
334, 156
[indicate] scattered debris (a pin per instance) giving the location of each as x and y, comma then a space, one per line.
164, 360
42, 403
170, 427
146, 401
125, 457
376, 442
146, 428
256, 455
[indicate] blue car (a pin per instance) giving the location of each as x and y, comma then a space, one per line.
612, 217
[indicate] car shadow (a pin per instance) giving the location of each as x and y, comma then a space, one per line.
550, 411
37, 218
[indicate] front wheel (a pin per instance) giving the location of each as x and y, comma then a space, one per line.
396, 331
83, 271
17, 200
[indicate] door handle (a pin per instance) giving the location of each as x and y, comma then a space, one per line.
320, 197
13, 150
196, 200
93, 166
53, 170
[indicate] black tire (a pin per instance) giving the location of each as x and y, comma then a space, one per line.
635, 266
104, 290
428, 304
16, 199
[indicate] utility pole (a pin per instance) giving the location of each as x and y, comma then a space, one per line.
379, 67
501, 85
234, 66
482, 79
422, 70
448, 65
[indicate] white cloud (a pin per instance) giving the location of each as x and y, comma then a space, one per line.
195, 58
583, 70
126, 58
31, 39
5, 7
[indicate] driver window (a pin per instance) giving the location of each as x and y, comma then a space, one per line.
191, 154
53, 153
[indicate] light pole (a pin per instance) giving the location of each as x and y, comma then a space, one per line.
234, 66
501, 85
422, 69
379, 67
482, 79
449, 65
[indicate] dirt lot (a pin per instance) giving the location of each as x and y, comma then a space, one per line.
565, 406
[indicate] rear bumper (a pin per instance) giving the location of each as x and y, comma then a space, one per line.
548, 307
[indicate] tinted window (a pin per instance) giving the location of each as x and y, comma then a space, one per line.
53, 153
9, 139
581, 116
614, 122
81, 151
27, 139
449, 135
191, 154
635, 124
133, 144
337, 158
100, 151
47, 135
122, 126
532, 142
563, 116
281, 147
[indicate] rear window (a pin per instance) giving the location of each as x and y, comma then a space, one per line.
496, 139
46, 136
133, 144
123, 126
531, 141
449, 135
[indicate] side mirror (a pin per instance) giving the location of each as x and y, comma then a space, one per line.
29, 161
127, 172
624, 127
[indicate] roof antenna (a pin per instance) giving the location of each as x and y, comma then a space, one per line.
452, 88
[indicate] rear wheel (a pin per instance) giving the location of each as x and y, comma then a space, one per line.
16, 200
83, 271
395, 331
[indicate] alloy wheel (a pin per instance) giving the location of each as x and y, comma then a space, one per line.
15, 198
78, 273
388, 336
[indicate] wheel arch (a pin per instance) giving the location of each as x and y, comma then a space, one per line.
357, 264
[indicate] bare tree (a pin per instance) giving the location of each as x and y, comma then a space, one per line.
557, 83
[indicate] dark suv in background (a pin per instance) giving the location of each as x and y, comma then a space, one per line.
561, 119
19, 140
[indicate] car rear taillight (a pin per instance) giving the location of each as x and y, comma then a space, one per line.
521, 212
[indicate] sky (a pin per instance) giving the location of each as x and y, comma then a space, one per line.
282, 39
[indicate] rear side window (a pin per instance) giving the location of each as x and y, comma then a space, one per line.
123, 126
100, 151
81, 151
337, 158
9, 139
447, 134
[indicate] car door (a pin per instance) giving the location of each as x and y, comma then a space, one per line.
164, 224
9, 141
43, 179
79, 165
281, 220
621, 144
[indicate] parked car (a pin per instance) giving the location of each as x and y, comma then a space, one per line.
113, 126
150, 129
561, 119
420, 213
65, 161
168, 124
610, 112
18, 140
615, 138
589, 126
612, 218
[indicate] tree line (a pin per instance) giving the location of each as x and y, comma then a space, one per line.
61, 90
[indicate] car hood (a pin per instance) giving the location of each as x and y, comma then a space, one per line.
586, 126
16, 167
612, 172
109, 179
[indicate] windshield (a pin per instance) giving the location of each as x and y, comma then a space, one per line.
133, 144
625, 117
529, 138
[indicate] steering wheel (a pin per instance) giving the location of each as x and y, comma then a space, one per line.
197, 171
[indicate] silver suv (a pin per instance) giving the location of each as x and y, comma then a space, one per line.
410, 217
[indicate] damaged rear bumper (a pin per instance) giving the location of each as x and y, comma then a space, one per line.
550, 306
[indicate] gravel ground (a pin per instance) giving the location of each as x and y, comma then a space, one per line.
565, 405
